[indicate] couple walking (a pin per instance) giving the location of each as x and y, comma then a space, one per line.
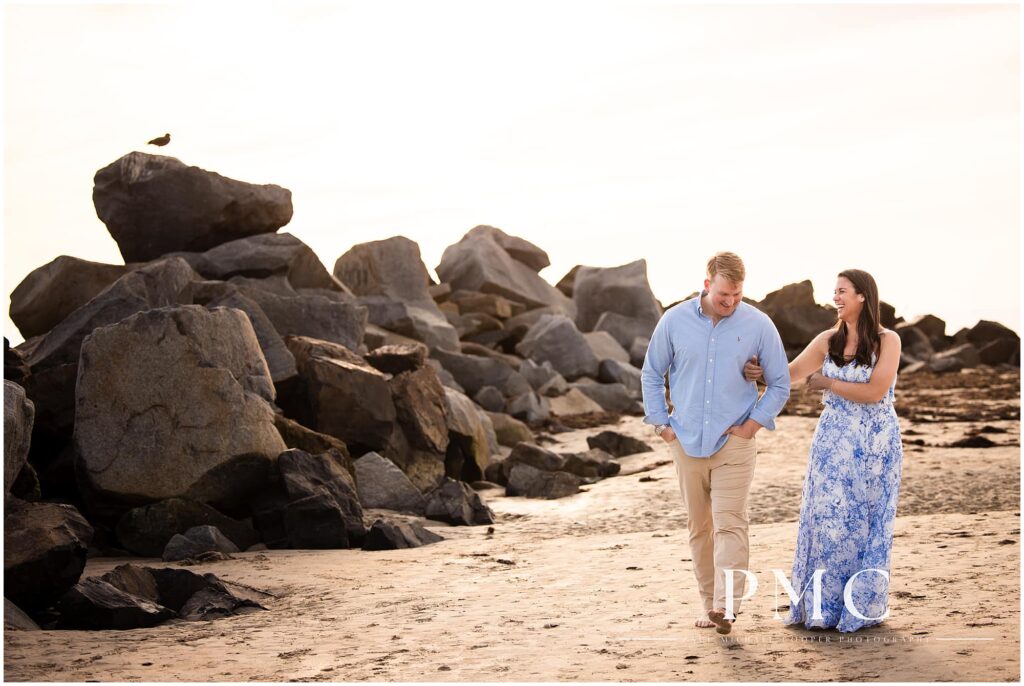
713, 348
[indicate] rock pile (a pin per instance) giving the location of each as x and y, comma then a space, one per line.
223, 390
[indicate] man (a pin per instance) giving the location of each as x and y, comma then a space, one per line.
703, 344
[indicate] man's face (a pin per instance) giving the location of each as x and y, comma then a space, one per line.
725, 295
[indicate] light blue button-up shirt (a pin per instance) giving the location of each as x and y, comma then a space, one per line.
705, 367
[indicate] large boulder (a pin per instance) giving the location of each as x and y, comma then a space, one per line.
323, 485
390, 274
529, 407
279, 359
795, 314
518, 249
613, 371
19, 413
457, 503
622, 289
395, 359
509, 430
263, 256
533, 455
146, 530
45, 546
50, 293
382, 484
175, 402
478, 263
153, 205
314, 315
930, 325
985, 332
555, 339
422, 407
573, 402
612, 397
605, 347
1000, 351
340, 394
914, 341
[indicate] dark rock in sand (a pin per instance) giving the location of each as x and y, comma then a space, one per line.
214, 603
388, 535
592, 463
185, 414
96, 604
530, 482
146, 530
195, 542
153, 205
50, 293
617, 444
315, 522
382, 484
456, 503
45, 546
19, 413
535, 456
973, 442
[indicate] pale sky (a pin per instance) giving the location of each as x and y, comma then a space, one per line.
806, 138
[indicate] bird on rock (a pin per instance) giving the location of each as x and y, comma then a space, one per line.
162, 140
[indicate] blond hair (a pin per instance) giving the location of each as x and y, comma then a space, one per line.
729, 265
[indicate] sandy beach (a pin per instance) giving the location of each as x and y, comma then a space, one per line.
598, 587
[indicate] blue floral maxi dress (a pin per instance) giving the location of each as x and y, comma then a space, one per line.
849, 506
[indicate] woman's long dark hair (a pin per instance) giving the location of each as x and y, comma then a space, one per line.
867, 323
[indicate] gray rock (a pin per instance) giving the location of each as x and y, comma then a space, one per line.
568, 282
490, 398
530, 482
185, 414
456, 503
50, 293
394, 535
573, 402
146, 530
914, 341
447, 380
617, 444
622, 289
16, 620
592, 463
195, 542
518, 249
266, 255
624, 329
984, 332
153, 205
45, 546
382, 484
537, 374
605, 347
555, 339
313, 316
478, 263
613, 371
930, 325
638, 351
529, 407
473, 373
533, 455
19, 413
955, 359
344, 396
612, 397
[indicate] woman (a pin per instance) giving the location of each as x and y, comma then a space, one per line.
853, 473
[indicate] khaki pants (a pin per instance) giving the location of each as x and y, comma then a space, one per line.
715, 490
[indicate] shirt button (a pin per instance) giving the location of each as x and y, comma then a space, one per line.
711, 359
